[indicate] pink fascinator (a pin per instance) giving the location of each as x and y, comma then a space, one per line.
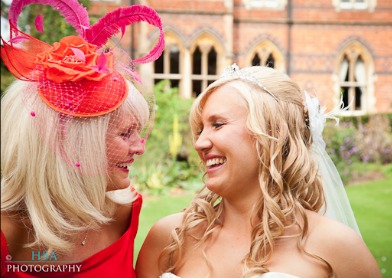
73, 90
80, 75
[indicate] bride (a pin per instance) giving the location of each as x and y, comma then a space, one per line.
272, 204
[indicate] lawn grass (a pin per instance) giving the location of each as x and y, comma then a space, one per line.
155, 208
371, 202
372, 206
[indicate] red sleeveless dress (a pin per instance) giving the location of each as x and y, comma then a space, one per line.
114, 261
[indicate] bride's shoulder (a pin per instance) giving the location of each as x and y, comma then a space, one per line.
168, 223
158, 238
159, 234
330, 232
342, 247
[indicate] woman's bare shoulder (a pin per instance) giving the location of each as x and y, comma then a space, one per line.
340, 246
323, 227
168, 223
159, 234
328, 235
157, 239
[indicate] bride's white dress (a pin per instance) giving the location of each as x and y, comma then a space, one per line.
265, 275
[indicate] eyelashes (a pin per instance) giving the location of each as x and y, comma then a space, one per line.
217, 125
214, 125
134, 129
126, 134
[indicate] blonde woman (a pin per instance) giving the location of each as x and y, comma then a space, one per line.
260, 212
71, 128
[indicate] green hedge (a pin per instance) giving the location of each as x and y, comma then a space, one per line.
365, 139
364, 119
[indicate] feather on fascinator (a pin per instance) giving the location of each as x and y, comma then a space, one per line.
78, 76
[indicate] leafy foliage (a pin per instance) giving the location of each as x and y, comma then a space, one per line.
170, 160
55, 26
375, 140
358, 141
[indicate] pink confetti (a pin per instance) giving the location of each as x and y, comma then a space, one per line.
39, 23
142, 140
32, 114
77, 164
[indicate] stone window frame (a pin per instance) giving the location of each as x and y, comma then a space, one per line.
171, 42
354, 5
265, 4
265, 48
352, 53
206, 42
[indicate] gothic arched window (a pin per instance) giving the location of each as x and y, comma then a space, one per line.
204, 67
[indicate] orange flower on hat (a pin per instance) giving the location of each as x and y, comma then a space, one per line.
74, 59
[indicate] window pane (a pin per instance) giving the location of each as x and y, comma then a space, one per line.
347, 76
158, 64
212, 62
358, 94
270, 61
256, 60
196, 67
196, 87
271, 3
344, 92
174, 60
264, 3
360, 71
343, 69
174, 83
156, 81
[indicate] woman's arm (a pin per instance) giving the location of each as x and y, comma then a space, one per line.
352, 257
344, 249
157, 239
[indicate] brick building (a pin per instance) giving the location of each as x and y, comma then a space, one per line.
330, 47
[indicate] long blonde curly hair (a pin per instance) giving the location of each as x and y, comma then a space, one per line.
288, 177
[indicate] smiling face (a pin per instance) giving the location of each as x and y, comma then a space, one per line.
123, 142
225, 145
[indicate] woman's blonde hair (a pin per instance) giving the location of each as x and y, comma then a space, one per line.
288, 177
40, 182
